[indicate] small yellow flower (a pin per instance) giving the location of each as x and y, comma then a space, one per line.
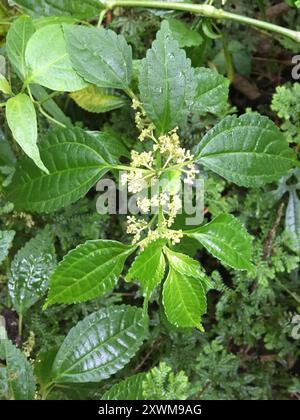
144, 204
142, 159
136, 182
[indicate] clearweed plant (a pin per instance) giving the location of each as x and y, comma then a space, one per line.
141, 281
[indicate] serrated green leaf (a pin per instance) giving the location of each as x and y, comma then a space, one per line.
31, 270
76, 161
6, 238
112, 146
89, 271
19, 372
212, 92
21, 119
148, 268
4, 85
183, 34
166, 81
184, 264
100, 345
98, 100
292, 218
51, 67
185, 287
184, 300
249, 151
129, 389
83, 9
226, 239
100, 56
16, 41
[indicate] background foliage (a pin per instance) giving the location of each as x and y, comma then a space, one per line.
247, 350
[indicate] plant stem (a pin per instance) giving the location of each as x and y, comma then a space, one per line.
129, 168
42, 111
228, 60
45, 392
292, 294
131, 94
20, 326
208, 11
179, 166
101, 17
46, 115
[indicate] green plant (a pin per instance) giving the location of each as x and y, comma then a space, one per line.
161, 94
286, 103
120, 328
165, 101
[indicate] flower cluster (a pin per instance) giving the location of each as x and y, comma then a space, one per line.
135, 180
170, 205
137, 226
146, 170
141, 121
146, 204
174, 207
169, 145
174, 236
145, 159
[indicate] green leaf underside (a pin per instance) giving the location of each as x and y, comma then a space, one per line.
100, 56
128, 389
184, 300
184, 264
87, 272
21, 118
30, 271
226, 239
100, 345
97, 100
81, 9
6, 238
249, 151
19, 372
75, 160
212, 91
149, 268
51, 67
166, 82
17, 38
